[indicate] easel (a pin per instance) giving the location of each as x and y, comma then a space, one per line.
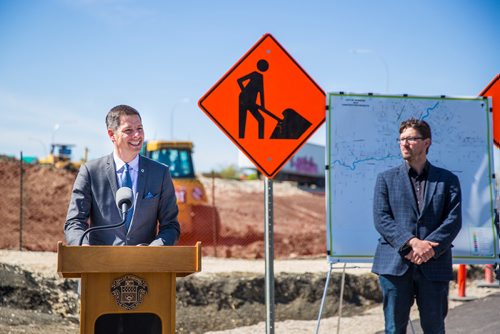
342, 284
341, 298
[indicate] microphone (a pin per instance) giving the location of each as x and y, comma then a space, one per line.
124, 199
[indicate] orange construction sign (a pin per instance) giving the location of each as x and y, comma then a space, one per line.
267, 105
493, 91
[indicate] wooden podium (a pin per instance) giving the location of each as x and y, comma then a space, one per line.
127, 289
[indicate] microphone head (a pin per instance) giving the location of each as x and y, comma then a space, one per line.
124, 195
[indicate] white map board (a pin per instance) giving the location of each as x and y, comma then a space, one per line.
362, 132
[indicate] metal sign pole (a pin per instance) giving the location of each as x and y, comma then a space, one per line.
269, 253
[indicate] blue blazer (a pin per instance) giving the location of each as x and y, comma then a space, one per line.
93, 204
397, 219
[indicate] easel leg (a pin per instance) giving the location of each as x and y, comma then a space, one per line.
328, 276
341, 298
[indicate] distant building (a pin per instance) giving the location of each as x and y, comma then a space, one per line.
306, 167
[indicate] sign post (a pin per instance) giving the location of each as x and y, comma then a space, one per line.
269, 254
268, 106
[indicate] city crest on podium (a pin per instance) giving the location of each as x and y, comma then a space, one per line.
129, 291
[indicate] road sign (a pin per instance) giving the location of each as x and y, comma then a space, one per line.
493, 90
267, 105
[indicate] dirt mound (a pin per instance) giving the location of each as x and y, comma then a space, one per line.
299, 216
299, 219
44, 199
34, 304
227, 301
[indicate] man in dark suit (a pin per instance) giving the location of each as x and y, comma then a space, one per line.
417, 211
154, 219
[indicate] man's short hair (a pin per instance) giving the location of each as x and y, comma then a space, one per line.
113, 116
420, 125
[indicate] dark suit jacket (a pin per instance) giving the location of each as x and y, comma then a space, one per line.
155, 210
397, 219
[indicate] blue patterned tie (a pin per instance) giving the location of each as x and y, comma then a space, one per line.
127, 182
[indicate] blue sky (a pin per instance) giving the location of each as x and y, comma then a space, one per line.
65, 63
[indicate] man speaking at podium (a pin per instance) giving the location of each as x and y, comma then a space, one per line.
152, 220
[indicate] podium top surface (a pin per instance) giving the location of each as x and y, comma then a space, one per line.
73, 261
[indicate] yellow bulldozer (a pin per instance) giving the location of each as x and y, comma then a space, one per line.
60, 157
199, 221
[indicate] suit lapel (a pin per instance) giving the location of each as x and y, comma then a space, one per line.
141, 179
407, 187
111, 174
430, 187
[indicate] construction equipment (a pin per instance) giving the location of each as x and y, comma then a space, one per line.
199, 221
60, 157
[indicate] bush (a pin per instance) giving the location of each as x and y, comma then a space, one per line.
230, 172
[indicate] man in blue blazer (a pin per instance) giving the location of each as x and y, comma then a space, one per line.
154, 220
417, 211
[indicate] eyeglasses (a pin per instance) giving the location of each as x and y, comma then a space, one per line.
411, 140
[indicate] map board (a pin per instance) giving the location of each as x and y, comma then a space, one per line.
362, 133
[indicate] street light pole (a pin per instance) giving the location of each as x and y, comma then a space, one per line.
57, 126
41, 143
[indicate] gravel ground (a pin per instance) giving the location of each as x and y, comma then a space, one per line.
46, 264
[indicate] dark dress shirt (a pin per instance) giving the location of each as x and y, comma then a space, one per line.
419, 182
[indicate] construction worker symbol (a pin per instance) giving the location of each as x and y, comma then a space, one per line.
291, 125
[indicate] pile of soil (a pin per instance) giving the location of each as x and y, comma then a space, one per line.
299, 216
299, 219
226, 301
33, 304
44, 201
